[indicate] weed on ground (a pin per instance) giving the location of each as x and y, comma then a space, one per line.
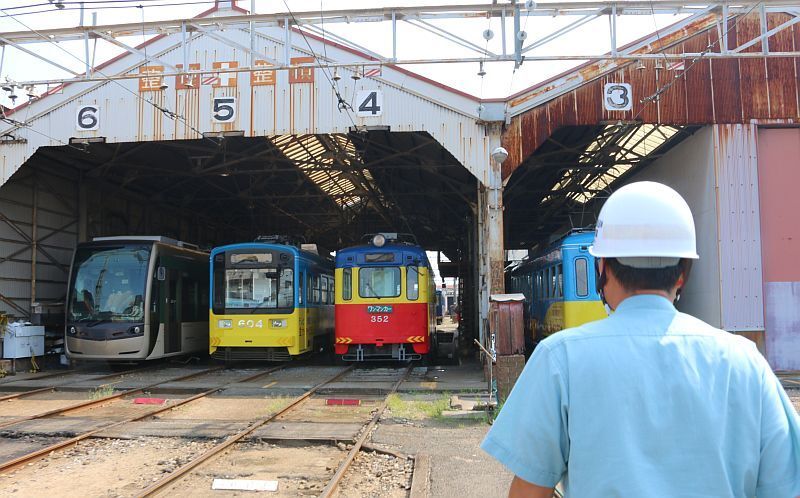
418, 409
101, 392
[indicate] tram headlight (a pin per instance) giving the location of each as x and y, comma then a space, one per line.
136, 330
72, 331
224, 324
378, 240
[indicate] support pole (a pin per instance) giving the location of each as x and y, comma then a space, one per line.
612, 24
491, 253
517, 41
394, 36
34, 238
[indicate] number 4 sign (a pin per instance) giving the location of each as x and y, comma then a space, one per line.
369, 103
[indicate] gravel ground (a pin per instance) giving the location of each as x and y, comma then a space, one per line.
458, 466
376, 475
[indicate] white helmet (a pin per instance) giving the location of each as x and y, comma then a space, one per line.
645, 225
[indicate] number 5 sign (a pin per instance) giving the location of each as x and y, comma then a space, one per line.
617, 97
369, 103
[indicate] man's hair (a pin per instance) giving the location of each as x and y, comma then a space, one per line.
633, 279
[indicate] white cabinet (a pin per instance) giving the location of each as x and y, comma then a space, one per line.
23, 341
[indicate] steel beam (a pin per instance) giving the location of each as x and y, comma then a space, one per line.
136, 51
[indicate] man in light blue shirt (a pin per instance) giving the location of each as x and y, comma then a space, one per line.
649, 402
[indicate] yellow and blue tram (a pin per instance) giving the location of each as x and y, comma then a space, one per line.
270, 300
133, 298
385, 301
559, 286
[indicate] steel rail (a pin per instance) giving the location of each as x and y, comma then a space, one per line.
183, 470
25, 459
39, 377
104, 399
337, 476
53, 388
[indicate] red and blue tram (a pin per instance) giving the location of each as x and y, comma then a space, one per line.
385, 301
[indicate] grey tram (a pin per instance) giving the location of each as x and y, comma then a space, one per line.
136, 298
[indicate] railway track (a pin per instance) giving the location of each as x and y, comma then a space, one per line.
24, 394
161, 485
180, 472
104, 399
365, 433
33, 456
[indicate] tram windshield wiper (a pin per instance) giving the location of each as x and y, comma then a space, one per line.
98, 322
369, 288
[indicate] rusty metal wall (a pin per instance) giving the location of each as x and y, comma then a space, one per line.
722, 91
740, 243
37, 209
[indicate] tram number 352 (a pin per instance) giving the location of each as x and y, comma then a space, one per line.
379, 318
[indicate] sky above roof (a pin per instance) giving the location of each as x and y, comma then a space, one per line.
501, 80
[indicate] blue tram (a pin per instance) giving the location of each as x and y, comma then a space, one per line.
270, 300
559, 286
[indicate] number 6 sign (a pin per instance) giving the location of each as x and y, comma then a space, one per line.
87, 118
617, 97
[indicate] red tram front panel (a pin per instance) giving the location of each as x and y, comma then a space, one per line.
383, 324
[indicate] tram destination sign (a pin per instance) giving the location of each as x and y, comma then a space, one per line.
379, 309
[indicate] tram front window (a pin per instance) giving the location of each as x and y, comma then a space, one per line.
108, 284
259, 288
379, 282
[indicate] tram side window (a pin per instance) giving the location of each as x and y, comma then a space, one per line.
412, 283
324, 283
301, 288
559, 281
581, 277
331, 290
347, 284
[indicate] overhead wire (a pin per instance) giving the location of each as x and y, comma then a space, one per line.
342, 104
170, 114
654, 97
128, 4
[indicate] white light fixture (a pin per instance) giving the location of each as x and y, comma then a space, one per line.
378, 240
499, 155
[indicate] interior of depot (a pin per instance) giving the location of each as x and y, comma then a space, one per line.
325, 189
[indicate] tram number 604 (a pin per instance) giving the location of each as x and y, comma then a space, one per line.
370, 103
224, 110
379, 318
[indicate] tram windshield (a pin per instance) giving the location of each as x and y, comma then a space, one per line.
259, 288
108, 284
379, 281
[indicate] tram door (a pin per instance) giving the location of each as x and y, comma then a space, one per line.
172, 327
304, 293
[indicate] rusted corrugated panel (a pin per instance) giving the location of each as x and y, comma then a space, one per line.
672, 103
780, 72
512, 142
725, 74
753, 72
567, 111
643, 84
588, 101
528, 132
739, 227
541, 120
699, 101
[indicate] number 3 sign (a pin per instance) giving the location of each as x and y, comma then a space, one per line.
617, 97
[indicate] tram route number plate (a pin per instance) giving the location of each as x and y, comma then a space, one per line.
379, 309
